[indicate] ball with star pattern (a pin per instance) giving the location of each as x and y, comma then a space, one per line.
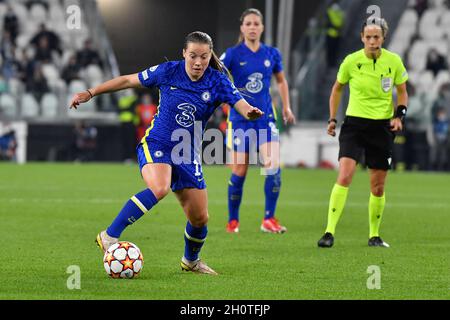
123, 260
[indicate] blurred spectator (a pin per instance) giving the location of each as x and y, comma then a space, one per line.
37, 84
43, 51
8, 146
443, 99
440, 134
85, 141
145, 111
3, 84
420, 6
53, 40
71, 71
88, 55
7, 46
417, 125
26, 66
11, 23
11, 66
127, 112
436, 62
335, 22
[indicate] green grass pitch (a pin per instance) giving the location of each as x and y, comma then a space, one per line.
51, 213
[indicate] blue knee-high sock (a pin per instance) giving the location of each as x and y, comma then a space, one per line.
272, 191
194, 238
235, 187
132, 211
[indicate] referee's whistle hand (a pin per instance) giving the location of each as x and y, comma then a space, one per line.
396, 125
331, 129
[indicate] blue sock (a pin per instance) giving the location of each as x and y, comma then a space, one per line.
194, 238
234, 196
272, 191
132, 211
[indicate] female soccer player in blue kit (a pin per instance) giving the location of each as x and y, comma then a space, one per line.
190, 91
252, 65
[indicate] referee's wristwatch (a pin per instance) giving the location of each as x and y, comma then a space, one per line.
332, 120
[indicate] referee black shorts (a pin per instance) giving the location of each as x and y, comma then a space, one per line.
372, 139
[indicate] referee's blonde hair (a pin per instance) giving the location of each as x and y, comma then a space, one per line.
378, 22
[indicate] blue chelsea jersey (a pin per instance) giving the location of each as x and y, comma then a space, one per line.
252, 73
183, 101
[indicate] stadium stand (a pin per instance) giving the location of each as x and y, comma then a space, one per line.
40, 55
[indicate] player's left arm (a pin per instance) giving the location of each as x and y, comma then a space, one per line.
247, 111
400, 112
283, 89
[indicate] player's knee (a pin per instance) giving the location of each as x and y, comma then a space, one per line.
160, 191
378, 190
199, 220
240, 170
345, 179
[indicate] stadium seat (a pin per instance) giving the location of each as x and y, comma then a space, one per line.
8, 105
16, 87
29, 106
442, 77
76, 86
38, 13
23, 40
20, 10
409, 18
440, 45
429, 20
413, 77
50, 72
417, 55
93, 74
56, 12
426, 81
49, 105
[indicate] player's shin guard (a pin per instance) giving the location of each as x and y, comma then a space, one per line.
194, 238
337, 202
235, 187
135, 208
272, 187
376, 208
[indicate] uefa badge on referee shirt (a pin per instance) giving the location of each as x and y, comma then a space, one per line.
386, 84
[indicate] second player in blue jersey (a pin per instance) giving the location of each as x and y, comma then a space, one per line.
252, 65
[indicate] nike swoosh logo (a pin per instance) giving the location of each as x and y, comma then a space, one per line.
243, 63
200, 179
173, 88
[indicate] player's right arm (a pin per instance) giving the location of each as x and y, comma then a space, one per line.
335, 99
116, 84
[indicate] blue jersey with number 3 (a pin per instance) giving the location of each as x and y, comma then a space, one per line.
183, 101
252, 73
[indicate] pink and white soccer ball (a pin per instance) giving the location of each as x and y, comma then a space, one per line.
123, 260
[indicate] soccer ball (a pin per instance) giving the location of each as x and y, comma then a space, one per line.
123, 260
